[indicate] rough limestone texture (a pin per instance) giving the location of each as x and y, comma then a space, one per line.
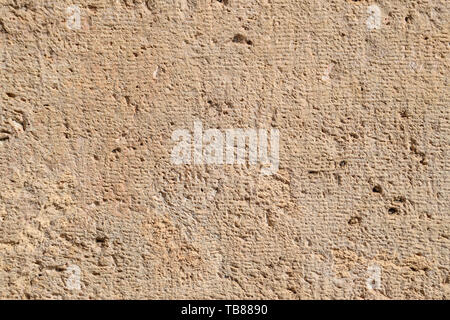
93, 207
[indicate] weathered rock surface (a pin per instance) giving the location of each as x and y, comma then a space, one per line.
92, 207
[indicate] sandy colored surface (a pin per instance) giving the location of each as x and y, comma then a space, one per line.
91, 205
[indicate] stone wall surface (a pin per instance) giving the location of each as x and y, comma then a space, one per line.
94, 205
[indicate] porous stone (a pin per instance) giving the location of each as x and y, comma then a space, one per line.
93, 207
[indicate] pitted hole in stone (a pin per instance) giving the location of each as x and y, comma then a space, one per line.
100, 239
377, 189
354, 220
393, 210
240, 38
